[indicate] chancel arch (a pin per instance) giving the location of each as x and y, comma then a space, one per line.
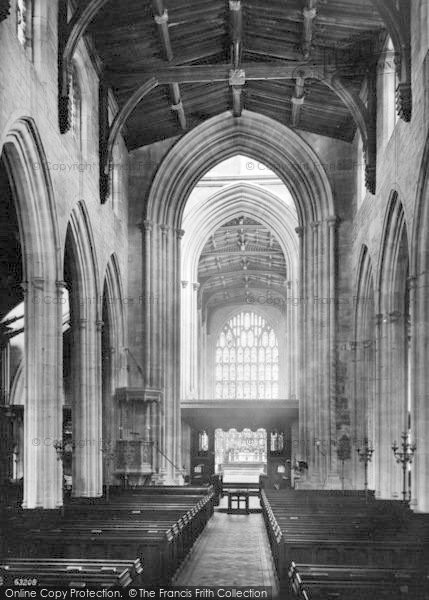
298, 166
32, 197
81, 280
240, 201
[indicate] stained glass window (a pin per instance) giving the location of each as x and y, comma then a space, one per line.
247, 359
203, 441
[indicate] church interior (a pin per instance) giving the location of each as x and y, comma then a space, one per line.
214, 328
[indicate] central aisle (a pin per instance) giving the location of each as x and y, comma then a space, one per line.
232, 550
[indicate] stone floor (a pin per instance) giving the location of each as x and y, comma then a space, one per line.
232, 550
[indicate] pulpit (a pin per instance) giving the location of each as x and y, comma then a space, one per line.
137, 419
134, 461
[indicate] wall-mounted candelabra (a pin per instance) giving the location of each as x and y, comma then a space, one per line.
62, 448
109, 456
365, 456
404, 455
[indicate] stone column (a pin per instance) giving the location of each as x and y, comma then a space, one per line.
87, 408
397, 396
318, 353
331, 354
383, 457
43, 405
420, 420
302, 312
162, 345
186, 340
194, 339
150, 301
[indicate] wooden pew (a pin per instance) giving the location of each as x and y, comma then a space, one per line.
323, 582
74, 573
157, 528
340, 530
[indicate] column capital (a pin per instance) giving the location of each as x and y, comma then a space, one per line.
82, 323
314, 225
412, 282
161, 19
180, 233
299, 231
145, 225
99, 325
380, 319
332, 221
61, 285
309, 13
234, 5
164, 229
394, 316
38, 282
185, 284
196, 286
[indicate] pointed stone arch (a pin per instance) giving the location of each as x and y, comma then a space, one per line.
25, 161
113, 360
239, 199
298, 166
419, 304
364, 349
392, 307
85, 308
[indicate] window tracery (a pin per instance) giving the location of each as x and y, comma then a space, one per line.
247, 359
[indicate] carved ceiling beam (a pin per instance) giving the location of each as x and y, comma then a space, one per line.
259, 71
69, 35
365, 119
4, 9
254, 72
250, 274
161, 20
115, 129
309, 13
398, 25
258, 292
298, 98
239, 252
236, 83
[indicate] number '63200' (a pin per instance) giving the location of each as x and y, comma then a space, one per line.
25, 581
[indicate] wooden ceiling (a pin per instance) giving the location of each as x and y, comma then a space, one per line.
240, 261
136, 39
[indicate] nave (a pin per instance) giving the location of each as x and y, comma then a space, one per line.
308, 545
